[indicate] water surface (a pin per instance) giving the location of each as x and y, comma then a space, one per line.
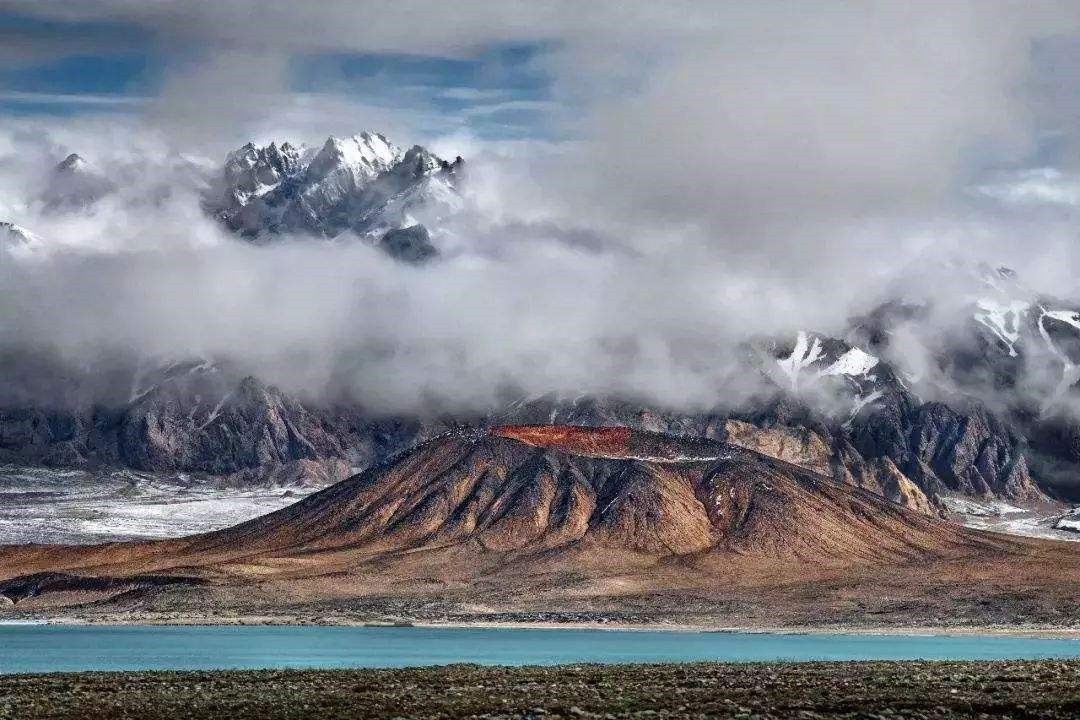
54, 648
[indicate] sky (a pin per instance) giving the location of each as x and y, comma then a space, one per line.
59, 63
995, 80
649, 182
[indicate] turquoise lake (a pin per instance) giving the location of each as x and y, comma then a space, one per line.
55, 648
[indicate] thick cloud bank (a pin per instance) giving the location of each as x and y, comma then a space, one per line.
727, 172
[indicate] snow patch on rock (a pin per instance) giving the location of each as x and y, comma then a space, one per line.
1002, 319
854, 362
807, 351
1069, 522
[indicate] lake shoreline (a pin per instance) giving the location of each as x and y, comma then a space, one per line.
1028, 631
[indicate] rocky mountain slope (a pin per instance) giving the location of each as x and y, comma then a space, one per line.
957, 446
544, 512
196, 417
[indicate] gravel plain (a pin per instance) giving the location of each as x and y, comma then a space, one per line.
872, 690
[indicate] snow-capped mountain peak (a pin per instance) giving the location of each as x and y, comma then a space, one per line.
806, 352
75, 185
1023, 322
249, 156
363, 185
364, 155
252, 171
854, 363
418, 161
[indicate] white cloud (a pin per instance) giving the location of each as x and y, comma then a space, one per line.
734, 169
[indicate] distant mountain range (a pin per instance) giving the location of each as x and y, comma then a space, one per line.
362, 185
990, 416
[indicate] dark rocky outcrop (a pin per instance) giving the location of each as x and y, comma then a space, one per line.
410, 244
18, 589
942, 448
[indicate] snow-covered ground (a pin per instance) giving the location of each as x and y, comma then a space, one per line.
994, 515
1070, 522
62, 506
39, 505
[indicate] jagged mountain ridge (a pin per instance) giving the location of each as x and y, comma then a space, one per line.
195, 418
363, 184
393, 197
883, 424
1017, 349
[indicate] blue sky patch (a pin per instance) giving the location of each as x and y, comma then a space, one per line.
70, 68
500, 92
85, 75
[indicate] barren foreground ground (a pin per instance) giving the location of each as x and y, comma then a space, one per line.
1041, 689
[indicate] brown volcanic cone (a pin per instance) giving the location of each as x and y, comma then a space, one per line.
522, 500
527, 488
